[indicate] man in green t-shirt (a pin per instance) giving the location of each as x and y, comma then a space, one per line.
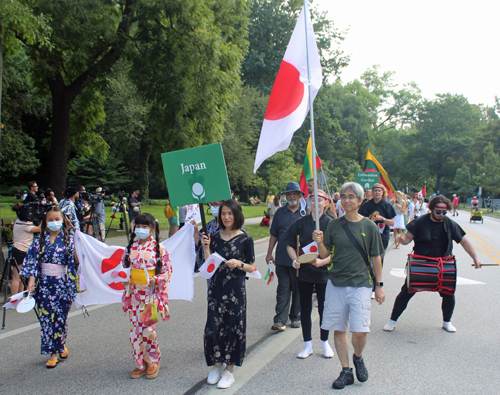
349, 288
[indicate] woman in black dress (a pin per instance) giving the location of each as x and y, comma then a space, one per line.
225, 331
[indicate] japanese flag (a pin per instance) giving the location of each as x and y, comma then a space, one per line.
289, 101
213, 262
312, 247
14, 300
254, 274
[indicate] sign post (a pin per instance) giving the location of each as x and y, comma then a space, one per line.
367, 178
196, 176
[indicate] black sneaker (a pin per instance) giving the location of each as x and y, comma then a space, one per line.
346, 378
361, 371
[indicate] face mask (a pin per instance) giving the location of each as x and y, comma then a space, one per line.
214, 211
54, 225
142, 233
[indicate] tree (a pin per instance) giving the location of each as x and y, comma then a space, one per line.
271, 26
489, 172
462, 183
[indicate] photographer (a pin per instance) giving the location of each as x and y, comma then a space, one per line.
68, 206
82, 204
101, 216
23, 237
31, 197
132, 203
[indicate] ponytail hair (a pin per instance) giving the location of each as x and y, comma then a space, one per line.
159, 264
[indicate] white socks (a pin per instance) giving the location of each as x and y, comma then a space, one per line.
308, 350
390, 326
448, 327
327, 350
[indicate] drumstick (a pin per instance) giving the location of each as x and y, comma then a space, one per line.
298, 247
487, 264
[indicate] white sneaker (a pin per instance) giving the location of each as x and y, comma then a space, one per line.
448, 327
327, 350
226, 381
307, 351
215, 373
390, 326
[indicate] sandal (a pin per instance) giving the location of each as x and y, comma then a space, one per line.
136, 373
64, 354
51, 364
153, 371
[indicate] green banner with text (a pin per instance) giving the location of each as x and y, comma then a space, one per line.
367, 178
196, 175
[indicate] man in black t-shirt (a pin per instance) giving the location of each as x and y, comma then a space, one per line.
380, 211
433, 235
33, 188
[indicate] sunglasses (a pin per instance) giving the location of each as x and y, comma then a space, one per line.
441, 212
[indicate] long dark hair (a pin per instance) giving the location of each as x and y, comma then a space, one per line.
43, 226
237, 211
148, 220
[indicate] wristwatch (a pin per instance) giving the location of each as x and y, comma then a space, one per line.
380, 284
241, 267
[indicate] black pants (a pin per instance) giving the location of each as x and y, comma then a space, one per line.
18, 255
305, 293
287, 295
447, 305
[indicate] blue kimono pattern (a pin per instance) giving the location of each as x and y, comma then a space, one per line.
68, 207
53, 294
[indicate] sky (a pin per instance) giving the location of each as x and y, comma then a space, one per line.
444, 46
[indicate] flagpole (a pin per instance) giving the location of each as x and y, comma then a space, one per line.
311, 116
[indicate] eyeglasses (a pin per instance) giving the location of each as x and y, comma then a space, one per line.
441, 212
350, 197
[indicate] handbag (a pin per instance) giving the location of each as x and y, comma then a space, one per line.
150, 314
343, 222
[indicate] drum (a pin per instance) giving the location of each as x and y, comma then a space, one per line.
431, 274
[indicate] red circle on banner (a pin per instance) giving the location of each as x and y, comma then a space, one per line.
314, 249
287, 93
122, 274
109, 264
210, 268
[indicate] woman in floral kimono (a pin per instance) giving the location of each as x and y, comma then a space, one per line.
50, 266
146, 253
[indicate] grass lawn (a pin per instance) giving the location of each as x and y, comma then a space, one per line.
485, 214
256, 231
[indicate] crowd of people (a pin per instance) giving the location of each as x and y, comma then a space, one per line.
348, 245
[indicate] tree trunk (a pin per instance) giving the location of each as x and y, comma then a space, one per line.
145, 153
62, 101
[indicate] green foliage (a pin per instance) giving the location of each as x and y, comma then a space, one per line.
276, 172
271, 26
462, 183
489, 172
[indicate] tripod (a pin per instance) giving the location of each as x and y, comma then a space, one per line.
9, 262
94, 223
122, 208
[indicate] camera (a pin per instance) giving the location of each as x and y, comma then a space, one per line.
35, 211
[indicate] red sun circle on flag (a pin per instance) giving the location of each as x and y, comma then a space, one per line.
109, 264
381, 226
314, 249
287, 93
210, 267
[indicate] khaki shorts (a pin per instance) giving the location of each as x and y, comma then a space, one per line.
347, 307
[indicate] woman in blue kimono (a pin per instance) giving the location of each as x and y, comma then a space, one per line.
50, 267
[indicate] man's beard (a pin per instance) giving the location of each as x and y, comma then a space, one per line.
292, 202
436, 219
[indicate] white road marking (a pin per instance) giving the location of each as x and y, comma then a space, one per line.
398, 272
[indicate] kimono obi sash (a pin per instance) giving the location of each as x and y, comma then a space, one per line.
138, 276
53, 270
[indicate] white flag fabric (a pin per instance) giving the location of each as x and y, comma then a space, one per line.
14, 300
193, 212
312, 247
254, 274
213, 262
289, 101
103, 272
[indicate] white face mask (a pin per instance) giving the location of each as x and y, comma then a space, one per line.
214, 210
54, 225
142, 233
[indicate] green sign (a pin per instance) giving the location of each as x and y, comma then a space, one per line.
196, 175
367, 178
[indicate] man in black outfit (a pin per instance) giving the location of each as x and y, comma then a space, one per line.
433, 234
31, 197
381, 212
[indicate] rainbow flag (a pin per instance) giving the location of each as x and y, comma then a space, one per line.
372, 164
307, 170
